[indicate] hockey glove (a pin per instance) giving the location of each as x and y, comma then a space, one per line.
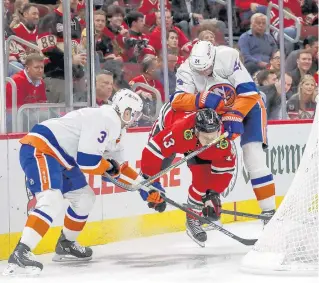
212, 205
154, 198
114, 170
233, 123
209, 100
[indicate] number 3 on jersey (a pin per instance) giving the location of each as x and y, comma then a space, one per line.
168, 141
101, 139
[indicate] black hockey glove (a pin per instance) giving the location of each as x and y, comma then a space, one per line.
114, 171
212, 205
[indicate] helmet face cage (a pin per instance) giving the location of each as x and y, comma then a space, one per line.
208, 121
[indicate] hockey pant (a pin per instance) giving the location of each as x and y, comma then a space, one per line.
51, 183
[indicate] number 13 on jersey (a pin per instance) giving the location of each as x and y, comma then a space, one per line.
168, 141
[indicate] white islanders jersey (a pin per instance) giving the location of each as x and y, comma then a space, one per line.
80, 138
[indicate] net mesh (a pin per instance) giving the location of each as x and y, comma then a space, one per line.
290, 240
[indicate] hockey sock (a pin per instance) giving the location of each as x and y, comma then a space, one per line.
73, 224
37, 225
264, 189
49, 204
81, 203
261, 178
195, 197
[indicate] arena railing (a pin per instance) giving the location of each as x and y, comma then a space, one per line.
14, 103
30, 114
286, 14
19, 40
159, 102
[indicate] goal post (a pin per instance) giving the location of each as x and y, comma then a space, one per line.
289, 242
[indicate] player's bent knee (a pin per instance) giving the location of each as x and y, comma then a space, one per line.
254, 156
82, 200
50, 202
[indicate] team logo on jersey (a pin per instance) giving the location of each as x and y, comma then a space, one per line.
223, 144
226, 91
188, 134
59, 27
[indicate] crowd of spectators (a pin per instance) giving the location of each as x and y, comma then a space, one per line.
128, 49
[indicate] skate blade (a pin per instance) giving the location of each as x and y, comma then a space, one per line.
201, 244
69, 258
16, 270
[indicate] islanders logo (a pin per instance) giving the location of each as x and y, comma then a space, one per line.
226, 91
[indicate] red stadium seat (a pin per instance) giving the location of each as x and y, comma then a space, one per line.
131, 70
307, 31
43, 10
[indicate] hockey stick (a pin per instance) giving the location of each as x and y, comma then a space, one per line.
176, 164
244, 214
235, 213
246, 242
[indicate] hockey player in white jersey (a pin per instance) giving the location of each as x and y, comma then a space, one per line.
54, 155
240, 104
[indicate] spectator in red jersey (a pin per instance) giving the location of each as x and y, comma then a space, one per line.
116, 29
275, 61
149, 8
27, 30
316, 77
29, 82
149, 68
304, 63
302, 105
103, 43
137, 41
172, 46
17, 15
155, 37
81, 16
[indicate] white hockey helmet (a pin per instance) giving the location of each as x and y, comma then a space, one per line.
202, 56
125, 99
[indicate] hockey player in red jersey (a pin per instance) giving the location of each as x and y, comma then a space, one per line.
211, 170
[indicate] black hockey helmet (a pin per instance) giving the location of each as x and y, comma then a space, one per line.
207, 120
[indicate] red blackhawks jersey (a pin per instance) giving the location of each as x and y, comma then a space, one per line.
155, 43
180, 138
149, 7
19, 50
27, 92
292, 6
153, 83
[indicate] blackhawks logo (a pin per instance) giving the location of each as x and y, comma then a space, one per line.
188, 135
223, 144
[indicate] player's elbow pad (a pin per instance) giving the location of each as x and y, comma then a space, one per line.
209, 100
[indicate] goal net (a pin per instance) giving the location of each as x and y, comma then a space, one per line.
289, 243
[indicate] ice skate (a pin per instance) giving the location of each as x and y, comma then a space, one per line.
269, 213
22, 262
66, 250
195, 231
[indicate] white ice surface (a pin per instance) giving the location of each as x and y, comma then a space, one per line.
160, 259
